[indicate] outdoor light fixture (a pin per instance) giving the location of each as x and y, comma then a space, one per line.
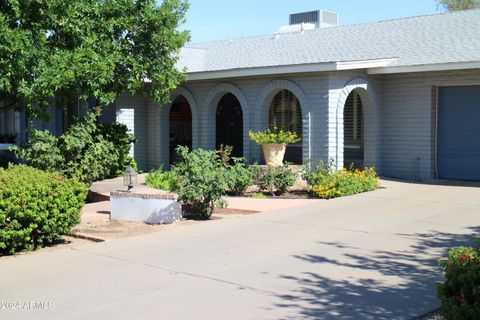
130, 179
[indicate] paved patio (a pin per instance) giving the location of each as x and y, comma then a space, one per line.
371, 256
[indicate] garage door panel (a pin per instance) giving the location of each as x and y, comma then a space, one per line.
459, 133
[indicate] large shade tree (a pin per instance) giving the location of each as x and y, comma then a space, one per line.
81, 49
455, 5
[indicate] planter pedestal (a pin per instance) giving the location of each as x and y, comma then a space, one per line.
274, 154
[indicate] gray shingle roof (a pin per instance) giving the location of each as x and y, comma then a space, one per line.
437, 38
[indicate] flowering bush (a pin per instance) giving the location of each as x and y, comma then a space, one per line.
460, 293
274, 135
332, 184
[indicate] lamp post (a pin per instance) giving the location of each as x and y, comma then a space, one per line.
130, 179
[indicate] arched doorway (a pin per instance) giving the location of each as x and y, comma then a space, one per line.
353, 131
286, 114
180, 126
229, 124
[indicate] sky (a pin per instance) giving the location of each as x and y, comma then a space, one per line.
225, 19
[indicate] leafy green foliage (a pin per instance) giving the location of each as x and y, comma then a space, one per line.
42, 152
327, 183
202, 180
455, 5
86, 151
240, 176
277, 180
163, 180
275, 136
88, 48
460, 293
87, 155
36, 207
315, 176
258, 195
122, 139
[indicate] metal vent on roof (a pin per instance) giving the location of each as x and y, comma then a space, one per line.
320, 18
305, 17
328, 17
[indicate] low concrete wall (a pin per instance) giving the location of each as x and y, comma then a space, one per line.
143, 207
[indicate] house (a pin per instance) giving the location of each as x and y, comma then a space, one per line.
399, 95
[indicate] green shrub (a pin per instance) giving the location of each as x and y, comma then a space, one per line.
87, 155
42, 151
87, 151
36, 207
163, 180
277, 180
118, 134
314, 176
240, 176
258, 195
331, 184
202, 180
460, 293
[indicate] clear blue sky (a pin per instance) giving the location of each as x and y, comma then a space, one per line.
223, 19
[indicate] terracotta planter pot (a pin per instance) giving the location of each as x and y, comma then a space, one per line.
274, 154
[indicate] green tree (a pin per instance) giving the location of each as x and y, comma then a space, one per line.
455, 5
81, 49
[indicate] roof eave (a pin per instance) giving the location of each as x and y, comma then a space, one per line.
425, 67
289, 69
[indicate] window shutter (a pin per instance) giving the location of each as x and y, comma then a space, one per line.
353, 121
286, 112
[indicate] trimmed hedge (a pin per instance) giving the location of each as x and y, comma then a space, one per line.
36, 207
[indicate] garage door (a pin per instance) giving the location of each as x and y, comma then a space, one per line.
459, 133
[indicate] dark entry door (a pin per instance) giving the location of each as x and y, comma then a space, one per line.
180, 127
459, 133
229, 122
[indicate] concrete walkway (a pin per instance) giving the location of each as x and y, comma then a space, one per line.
372, 256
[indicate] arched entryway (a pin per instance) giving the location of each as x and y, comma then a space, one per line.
229, 124
286, 114
180, 126
353, 127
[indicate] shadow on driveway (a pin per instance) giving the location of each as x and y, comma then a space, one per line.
319, 297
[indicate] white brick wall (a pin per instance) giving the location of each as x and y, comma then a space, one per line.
409, 120
399, 126
140, 124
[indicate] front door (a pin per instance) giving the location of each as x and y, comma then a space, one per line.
229, 122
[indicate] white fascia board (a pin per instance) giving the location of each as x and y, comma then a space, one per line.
364, 64
261, 71
426, 67
287, 69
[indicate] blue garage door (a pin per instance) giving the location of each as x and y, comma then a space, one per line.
459, 133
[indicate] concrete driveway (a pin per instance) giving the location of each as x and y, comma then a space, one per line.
372, 256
